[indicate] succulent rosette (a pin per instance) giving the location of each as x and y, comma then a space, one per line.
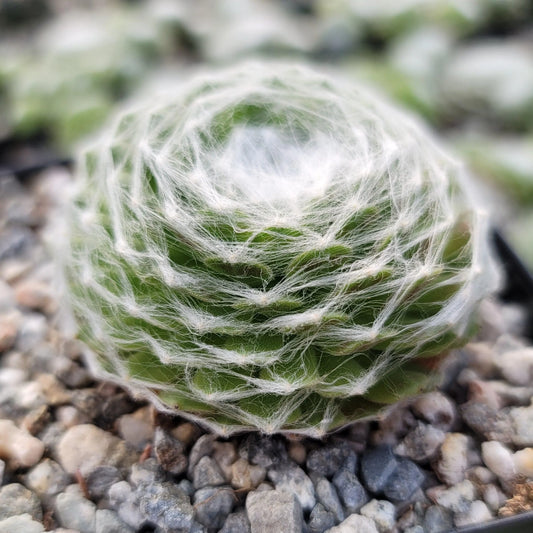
270, 248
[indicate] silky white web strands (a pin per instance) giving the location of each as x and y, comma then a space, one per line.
269, 247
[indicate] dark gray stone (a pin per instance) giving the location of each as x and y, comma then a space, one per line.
100, 479
437, 520
404, 482
263, 450
274, 510
166, 505
15, 499
351, 493
328, 497
377, 465
170, 452
320, 519
207, 473
236, 523
329, 459
291, 478
213, 504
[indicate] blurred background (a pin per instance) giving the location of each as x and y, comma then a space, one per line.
465, 67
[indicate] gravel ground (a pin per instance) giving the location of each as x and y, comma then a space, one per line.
81, 455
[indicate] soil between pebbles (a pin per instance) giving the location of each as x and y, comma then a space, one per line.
81, 455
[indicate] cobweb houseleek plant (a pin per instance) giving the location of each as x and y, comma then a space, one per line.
270, 248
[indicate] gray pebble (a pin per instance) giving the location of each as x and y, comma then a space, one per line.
320, 519
146, 473
32, 331
124, 500
20, 524
477, 513
186, 486
329, 459
328, 497
421, 443
15, 499
457, 498
166, 505
100, 479
212, 505
291, 478
75, 512
263, 450
274, 510
487, 421
207, 473
236, 523
382, 512
108, 521
404, 481
2, 470
203, 446
352, 494
522, 423
377, 465
438, 520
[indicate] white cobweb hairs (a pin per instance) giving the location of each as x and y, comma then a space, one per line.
269, 247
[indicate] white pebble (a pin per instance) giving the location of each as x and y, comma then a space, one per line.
516, 366
456, 498
493, 497
454, 458
355, 522
476, 514
523, 462
382, 512
435, 408
18, 447
22, 523
522, 421
498, 458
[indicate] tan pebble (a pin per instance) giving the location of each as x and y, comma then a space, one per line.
498, 458
225, 455
68, 416
483, 392
186, 433
35, 421
52, 389
85, 447
136, 428
18, 447
453, 460
8, 330
480, 475
481, 358
245, 475
523, 462
435, 408
35, 295
297, 452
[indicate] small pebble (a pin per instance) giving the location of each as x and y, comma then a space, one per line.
355, 523
382, 512
453, 460
487, 422
499, 459
35, 295
187, 433
437, 520
493, 497
246, 476
166, 505
523, 462
47, 478
124, 500
170, 452
146, 473
516, 366
457, 498
377, 465
297, 452
207, 473
328, 497
21, 524
100, 479
18, 447
436, 409
274, 510
8, 331
404, 481
86, 447
212, 505
477, 513
263, 450
236, 523
203, 446
75, 512
329, 459
107, 521
31, 332
422, 443
320, 519
136, 428
351, 493
522, 423
291, 478
15, 499
225, 454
